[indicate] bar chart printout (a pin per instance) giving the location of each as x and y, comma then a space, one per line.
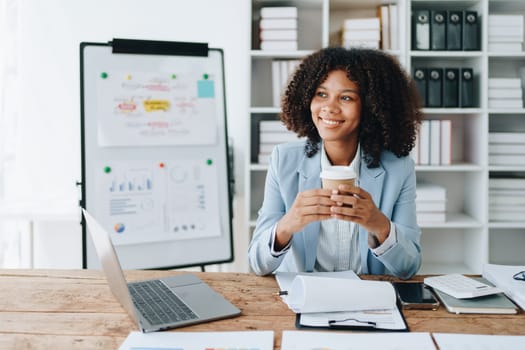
256, 340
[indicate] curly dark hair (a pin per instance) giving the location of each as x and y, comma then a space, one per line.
390, 115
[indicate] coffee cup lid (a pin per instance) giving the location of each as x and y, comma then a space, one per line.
338, 172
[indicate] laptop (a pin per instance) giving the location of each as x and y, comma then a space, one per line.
158, 304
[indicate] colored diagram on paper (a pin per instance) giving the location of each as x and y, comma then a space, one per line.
192, 199
148, 201
243, 340
150, 109
206, 348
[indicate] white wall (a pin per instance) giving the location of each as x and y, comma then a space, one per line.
48, 148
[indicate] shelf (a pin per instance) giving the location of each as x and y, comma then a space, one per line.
441, 111
454, 220
511, 225
445, 54
260, 54
265, 110
506, 55
520, 168
507, 111
464, 242
258, 167
356, 4
458, 167
439, 268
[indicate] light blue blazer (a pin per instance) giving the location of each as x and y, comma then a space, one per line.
393, 189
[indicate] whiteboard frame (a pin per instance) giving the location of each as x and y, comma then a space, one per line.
172, 253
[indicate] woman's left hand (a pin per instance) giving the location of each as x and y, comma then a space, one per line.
356, 205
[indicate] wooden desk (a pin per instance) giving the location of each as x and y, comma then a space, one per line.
74, 309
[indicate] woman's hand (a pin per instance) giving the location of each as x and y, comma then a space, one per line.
355, 204
309, 206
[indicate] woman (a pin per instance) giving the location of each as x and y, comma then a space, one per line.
357, 108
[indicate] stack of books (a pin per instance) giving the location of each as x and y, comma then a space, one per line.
281, 72
506, 199
434, 143
505, 33
278, 28
272, 133
505, 93
388, 16
361, 32
431, 202
507, 148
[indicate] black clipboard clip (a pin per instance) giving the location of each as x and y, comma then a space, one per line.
358, 323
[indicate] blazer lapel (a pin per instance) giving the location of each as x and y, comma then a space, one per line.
309, 178
371, 180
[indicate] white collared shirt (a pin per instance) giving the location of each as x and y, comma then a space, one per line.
338, 247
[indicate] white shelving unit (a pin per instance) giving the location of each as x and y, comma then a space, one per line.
506, 239
467, 239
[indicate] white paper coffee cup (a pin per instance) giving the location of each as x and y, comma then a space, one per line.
335, 175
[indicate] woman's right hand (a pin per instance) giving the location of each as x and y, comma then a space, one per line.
309, 206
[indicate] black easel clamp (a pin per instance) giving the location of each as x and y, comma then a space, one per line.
155, 47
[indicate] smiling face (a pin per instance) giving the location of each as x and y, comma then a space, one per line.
336, 110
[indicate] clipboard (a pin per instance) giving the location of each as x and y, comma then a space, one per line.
363, 326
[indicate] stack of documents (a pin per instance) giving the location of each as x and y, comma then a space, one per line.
505, 33
278, 28
361, 32
431, 201
507, 196
341, 303
505, 93
507, 148
272, 133
501, 277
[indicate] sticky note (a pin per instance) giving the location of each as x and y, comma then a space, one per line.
205, 89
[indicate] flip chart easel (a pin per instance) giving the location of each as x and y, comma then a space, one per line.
155, 155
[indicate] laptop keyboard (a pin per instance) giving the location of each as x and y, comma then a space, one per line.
158, 304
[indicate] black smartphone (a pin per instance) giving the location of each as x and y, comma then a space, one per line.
415, 296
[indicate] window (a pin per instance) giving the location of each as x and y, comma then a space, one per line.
10, 242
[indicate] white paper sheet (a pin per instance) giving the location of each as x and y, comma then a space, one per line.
297, 340
478, 342
256, 340
285, 279
326, 294
501, 277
